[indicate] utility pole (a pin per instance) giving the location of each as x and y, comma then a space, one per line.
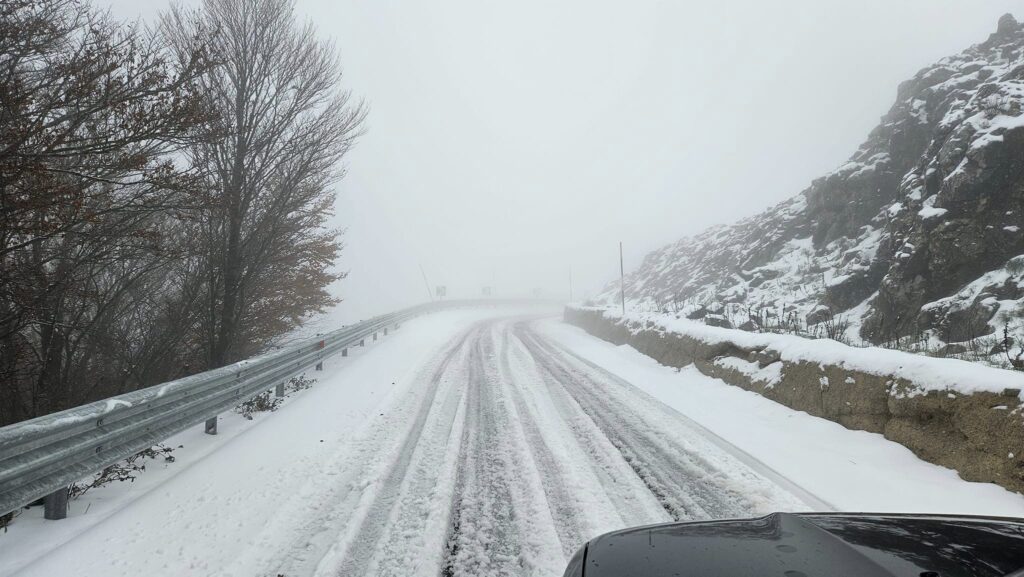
426, 284
622, 281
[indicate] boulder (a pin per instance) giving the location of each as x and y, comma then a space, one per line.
717, 321
697, 313
952, 349
819, 314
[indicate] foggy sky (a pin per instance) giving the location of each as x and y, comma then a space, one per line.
509, 142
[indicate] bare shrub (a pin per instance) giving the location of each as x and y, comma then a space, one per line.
300, 383
267, 402
261, 403
834, 327
124, 470
1016, 361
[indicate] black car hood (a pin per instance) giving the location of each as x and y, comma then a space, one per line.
810, 545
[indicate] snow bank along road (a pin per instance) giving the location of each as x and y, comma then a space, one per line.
496, 449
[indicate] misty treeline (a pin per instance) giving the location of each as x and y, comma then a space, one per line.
164, 192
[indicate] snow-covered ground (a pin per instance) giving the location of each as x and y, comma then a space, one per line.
194, 516
923, 373
852, 470
482, 442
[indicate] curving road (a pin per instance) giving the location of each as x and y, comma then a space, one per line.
505, 457
479, 442
467, 444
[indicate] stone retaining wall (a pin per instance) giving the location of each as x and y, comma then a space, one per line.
981, 434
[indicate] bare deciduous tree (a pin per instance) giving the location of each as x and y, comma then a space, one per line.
90, 112
288, 124
163, 197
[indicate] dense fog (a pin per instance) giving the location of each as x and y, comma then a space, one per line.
508, 143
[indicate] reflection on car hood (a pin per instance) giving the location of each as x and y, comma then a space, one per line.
810, 545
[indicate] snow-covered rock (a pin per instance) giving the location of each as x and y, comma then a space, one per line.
916, 237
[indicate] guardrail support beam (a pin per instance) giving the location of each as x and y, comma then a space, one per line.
211, 426
55, 505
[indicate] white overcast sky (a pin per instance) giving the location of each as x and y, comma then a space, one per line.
510, 141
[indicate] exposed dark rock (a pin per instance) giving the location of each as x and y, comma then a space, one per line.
952, 349
818, 315
764, 357
960, 325
851, 291
717, 321
697, 313
1007, 25
748, 326
1000, 348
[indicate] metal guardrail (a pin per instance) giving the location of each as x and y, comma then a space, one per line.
41, 457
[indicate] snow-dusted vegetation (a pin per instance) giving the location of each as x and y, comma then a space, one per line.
164, 200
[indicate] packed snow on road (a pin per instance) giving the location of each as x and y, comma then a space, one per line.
477, 443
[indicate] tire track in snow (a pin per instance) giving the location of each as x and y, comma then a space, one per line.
319, 543
695, 474
402, 502
582, 504
570, 521
681, 483
590, 451
501, 521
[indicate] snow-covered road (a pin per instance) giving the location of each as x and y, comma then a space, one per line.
504, 458
469, 443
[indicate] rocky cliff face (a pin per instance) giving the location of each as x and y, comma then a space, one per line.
920, 236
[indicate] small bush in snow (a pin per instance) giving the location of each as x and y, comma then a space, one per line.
266, 402
261, 403
124, 470
1007, 345
300, 383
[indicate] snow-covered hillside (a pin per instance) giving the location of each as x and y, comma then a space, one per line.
916, 241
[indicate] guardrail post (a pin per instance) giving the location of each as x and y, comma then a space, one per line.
375, 336
385, 331
211, 426
55, 505
362, 342
320, 362
344, 352
279, 389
